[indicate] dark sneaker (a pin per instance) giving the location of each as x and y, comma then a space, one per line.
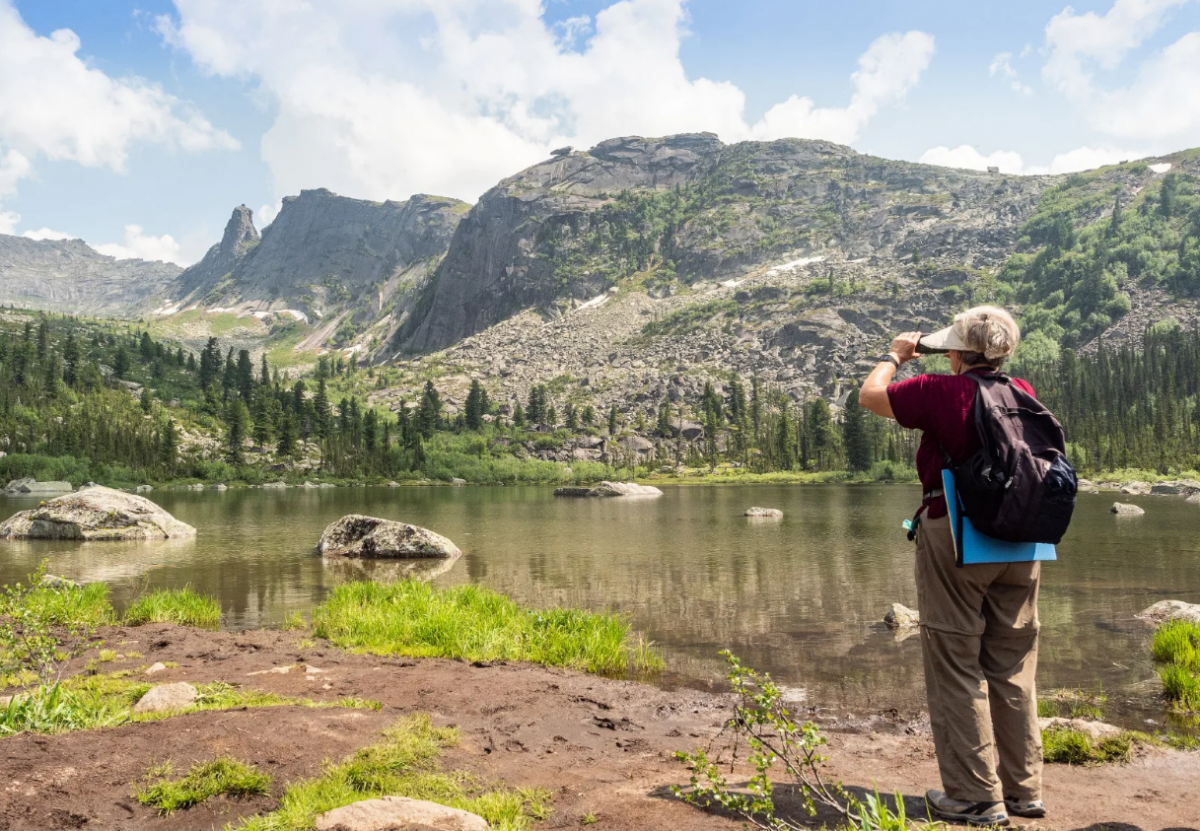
1032, 809
971, 813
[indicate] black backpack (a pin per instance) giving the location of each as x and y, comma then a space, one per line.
1018, 486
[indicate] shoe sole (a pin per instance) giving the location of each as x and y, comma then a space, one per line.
1036, 814
971, 819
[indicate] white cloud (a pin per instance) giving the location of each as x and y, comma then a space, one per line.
392, 97
1073, 161
141, 246
1002, 65
54, 106
887, 70
47, 233
265, 215
8, 222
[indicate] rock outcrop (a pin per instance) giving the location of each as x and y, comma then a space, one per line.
391, 813
1165, 610
355, 535
624, 489
32, 487
95, 513
219, 262
900, 616
1126, 509
764, 513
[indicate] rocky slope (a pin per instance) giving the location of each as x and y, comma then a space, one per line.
69, 276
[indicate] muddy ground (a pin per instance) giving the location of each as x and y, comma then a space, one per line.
601, 747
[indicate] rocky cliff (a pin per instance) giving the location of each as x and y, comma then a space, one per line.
68, 276
216, 268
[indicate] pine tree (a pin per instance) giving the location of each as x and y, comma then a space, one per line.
210, 363
264, 375
286, 445
237, 420
855, 436
121, 363
474, 406
168, 445
589, 416
147, 401
612, 420
519, 421
245, 376
429, 411
324, 419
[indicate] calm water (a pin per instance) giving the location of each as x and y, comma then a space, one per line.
799, 597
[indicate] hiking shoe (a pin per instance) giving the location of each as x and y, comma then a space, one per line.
1032, 809
971, 813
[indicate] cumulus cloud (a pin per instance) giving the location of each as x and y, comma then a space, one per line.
1163, 101
47, 233
139, 245
1073, 161
1002, 65
54, 106
393, 97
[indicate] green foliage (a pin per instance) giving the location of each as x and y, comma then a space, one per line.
404, 763
762, 732
1069, 746
181, 606
1176, 647
221, 776
476, 624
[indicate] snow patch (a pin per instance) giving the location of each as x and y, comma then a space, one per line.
732, 284
595, 303
166, 310
800, 263
296, 314
1161, 167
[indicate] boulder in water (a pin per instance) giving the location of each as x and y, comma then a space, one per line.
1165, 610
624, 489
901, 617
1136, 488
764, 513
355, 535
95, 514
1125, 509
32, 487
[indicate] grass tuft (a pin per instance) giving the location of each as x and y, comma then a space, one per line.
1069, 746
205, 780
76, 606
476, 624
1176, 646
182, 606
404, 763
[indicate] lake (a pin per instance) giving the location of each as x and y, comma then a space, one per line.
800, 597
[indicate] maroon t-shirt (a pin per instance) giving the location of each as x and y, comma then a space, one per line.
943, 408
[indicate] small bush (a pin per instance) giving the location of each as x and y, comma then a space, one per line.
182, 606
205, 780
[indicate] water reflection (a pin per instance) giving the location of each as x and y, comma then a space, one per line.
799, 596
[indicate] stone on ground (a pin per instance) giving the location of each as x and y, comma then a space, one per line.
166, 697
95, 514
764, 513
155, 668
1094, 730
355, 535
397, 812
1125, 509
901, 617
1165, 610
624, 489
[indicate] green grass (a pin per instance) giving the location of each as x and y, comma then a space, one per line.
1176, 647
75, 606
182, 606
223, 775
404, 763
476, 624
90, 702
1069, 746
1071, 704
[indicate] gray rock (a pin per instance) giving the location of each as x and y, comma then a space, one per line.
155, 668
457, 481
901, 617
1194, 499
31, 487
95, 514
356, 535
219, 486
1094, 730
391, 813
143, 489
764, 513
275, 485
56, 582
624, 489
1126, 509
1136, 488
636, 444
166, 697
1165, 610
571, 490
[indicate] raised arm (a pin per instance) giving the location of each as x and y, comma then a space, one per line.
873, 394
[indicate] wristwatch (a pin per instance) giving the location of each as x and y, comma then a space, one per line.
891, 359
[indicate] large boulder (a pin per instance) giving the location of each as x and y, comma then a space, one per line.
900, 616
1136, 488
355, 535
32, 487
624, 489
1165, 610
95, 514
1125, 509
397, 812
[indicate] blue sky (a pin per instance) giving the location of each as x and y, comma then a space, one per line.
140, 131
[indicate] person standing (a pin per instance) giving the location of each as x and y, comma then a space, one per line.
979, 623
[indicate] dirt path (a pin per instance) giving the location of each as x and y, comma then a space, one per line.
602, 747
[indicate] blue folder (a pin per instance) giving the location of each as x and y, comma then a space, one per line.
975, 547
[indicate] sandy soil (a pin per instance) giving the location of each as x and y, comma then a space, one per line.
602, 747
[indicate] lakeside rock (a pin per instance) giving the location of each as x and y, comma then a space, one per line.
397, 812
1094, 730
1165, 610
900, 616
1136, 488
1194, 499
624, 489
95, 514
572, 491
355, 535
275, 486
764, 513
166, 697
1126, 509
32, 487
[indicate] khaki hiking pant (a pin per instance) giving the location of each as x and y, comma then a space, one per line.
979, 630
